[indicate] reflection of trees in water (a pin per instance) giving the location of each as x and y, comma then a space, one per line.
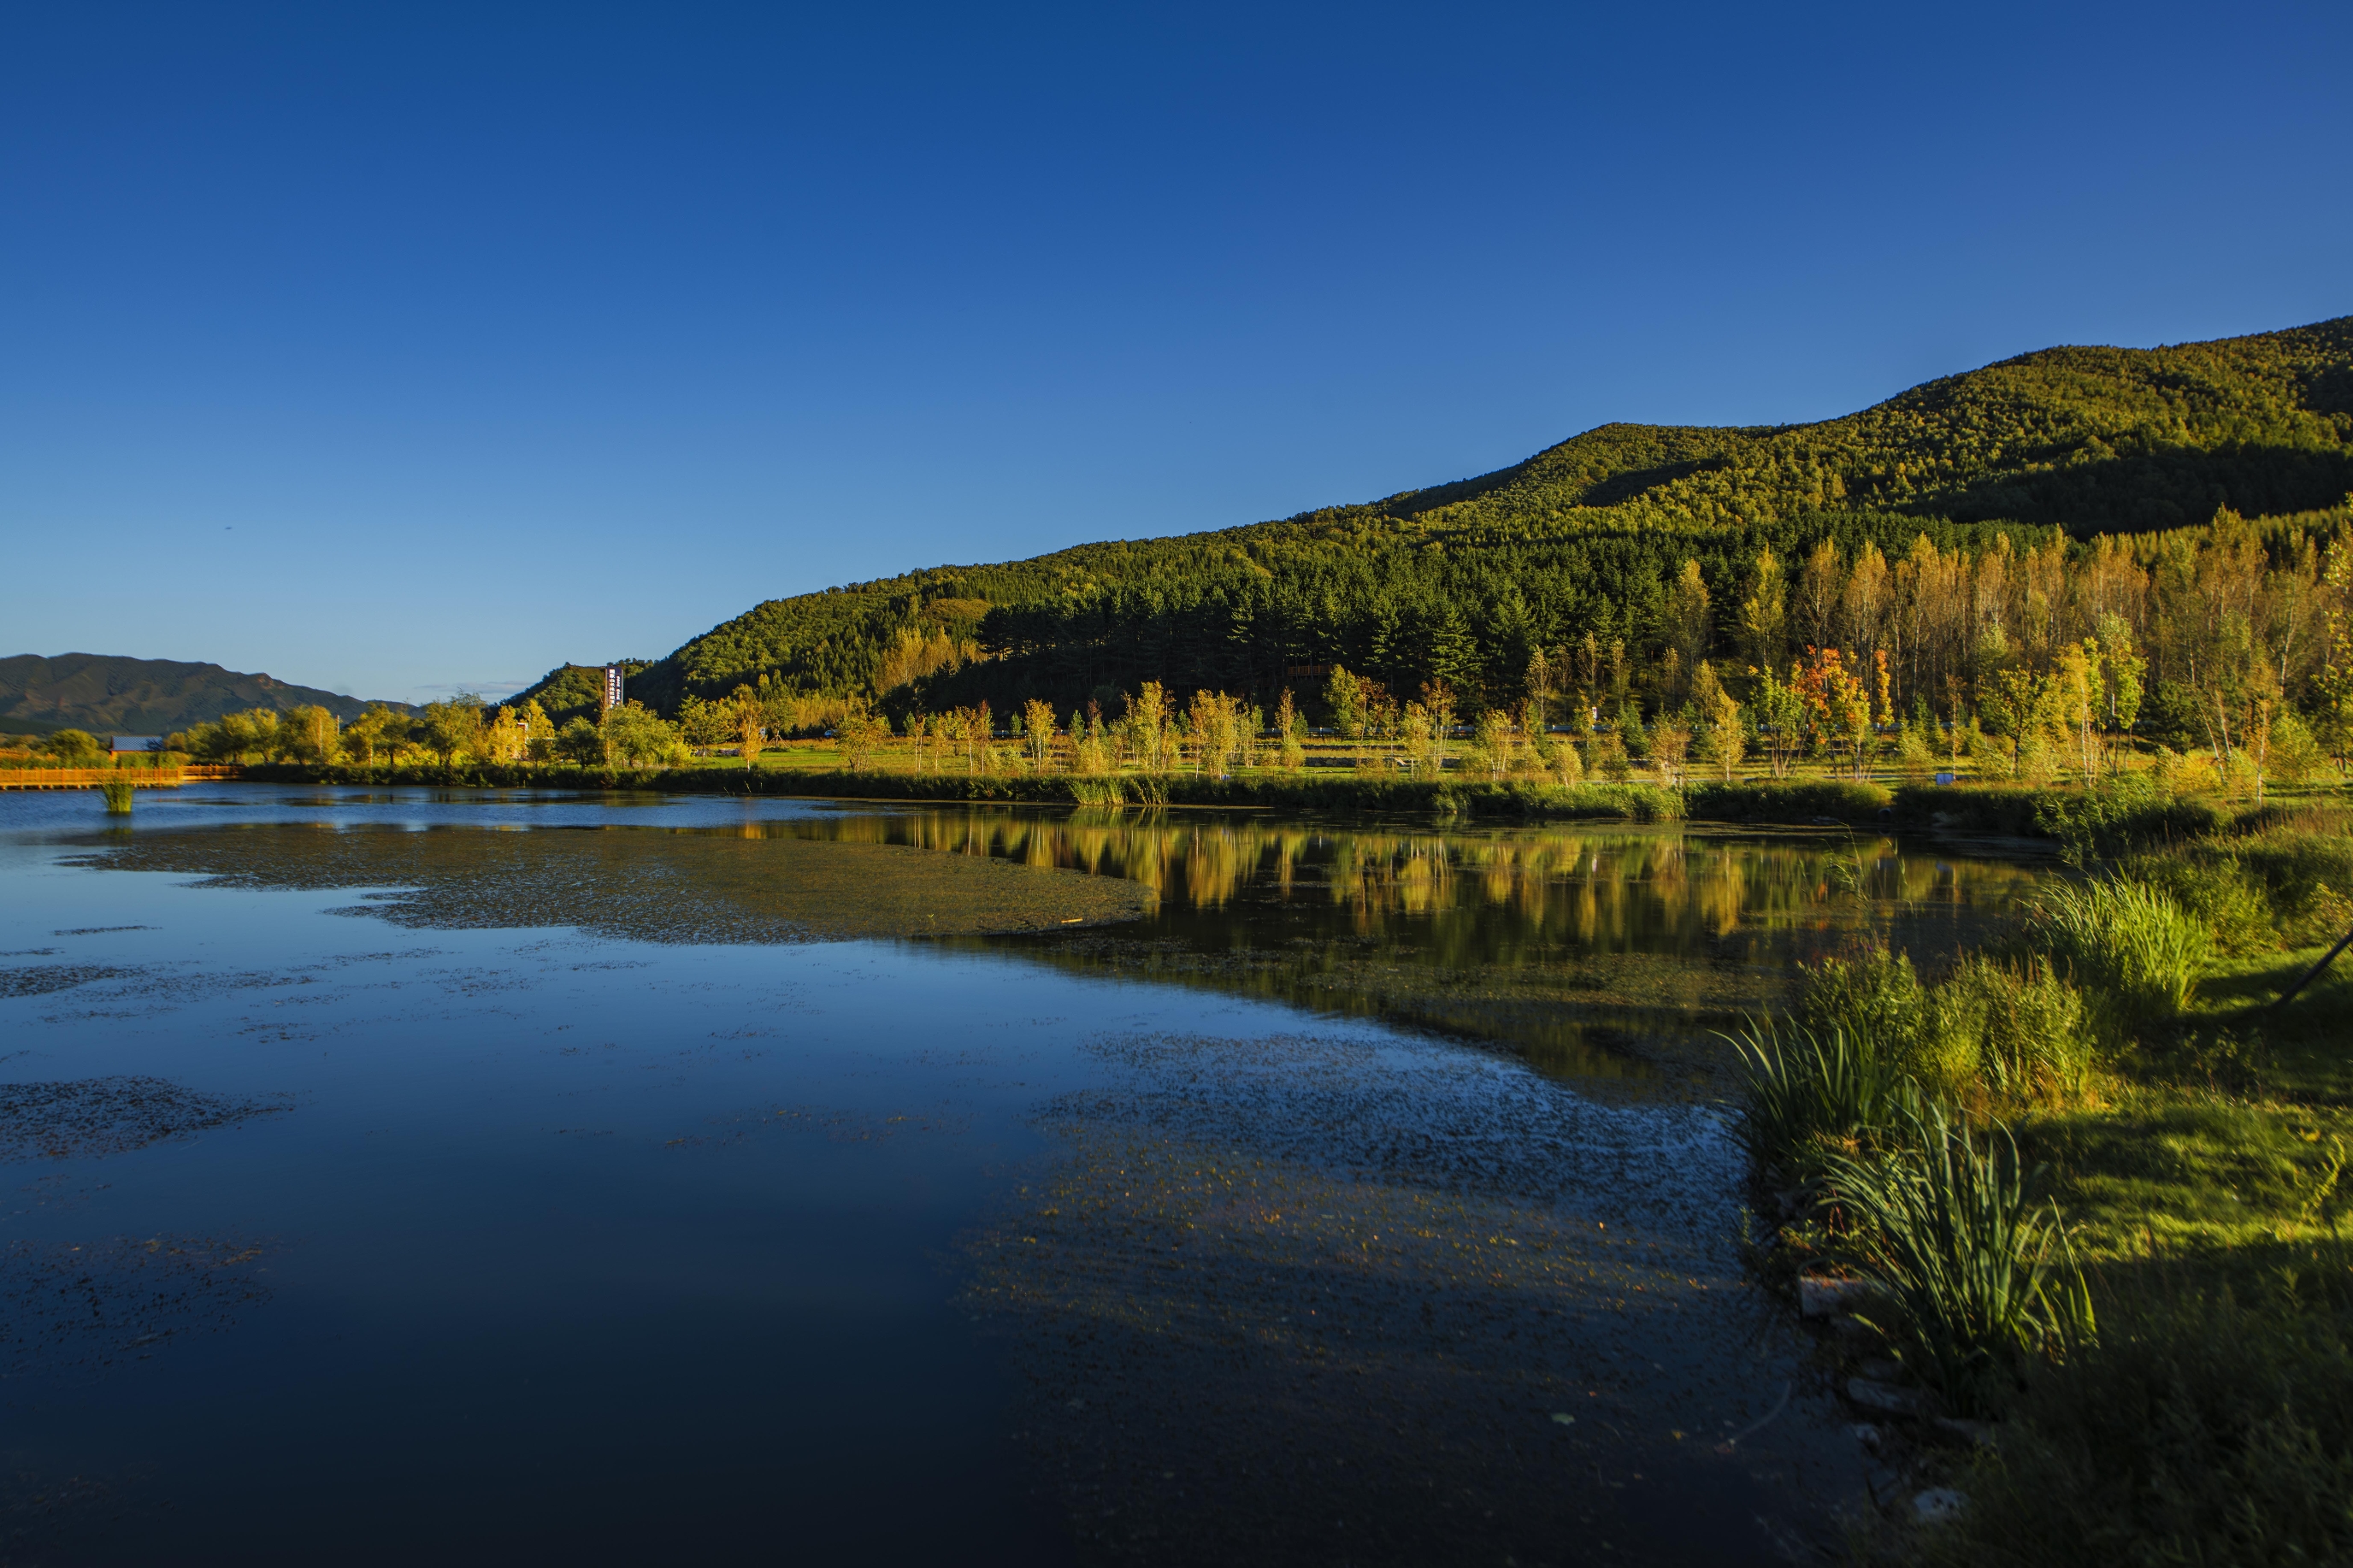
738, 883
1574, 944
1489, 896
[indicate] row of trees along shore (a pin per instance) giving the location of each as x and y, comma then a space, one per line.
74, 749
2073, 722
2218, 655
465, 729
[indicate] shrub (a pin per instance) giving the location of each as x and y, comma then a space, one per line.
2303, 861
1978, 1271
74, 748
1972, 808
2038, 761
1877, 996
2119, 818
2191, 775
2328, 918
2124, 940
119, 794
2294, 755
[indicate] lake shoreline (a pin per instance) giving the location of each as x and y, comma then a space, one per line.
2024, 819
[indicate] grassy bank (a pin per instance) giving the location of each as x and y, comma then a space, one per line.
2100, 821
1794, 802
2093, 1173
2111, 820
1318, 792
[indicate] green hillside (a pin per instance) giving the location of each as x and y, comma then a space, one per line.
577, 690
1586, 541
108, 695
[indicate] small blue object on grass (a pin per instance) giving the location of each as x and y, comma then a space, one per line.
1945, 778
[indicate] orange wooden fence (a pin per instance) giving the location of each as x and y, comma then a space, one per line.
90, 778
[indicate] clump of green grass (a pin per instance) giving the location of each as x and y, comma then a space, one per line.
1789, 801
2024, 1035
118, 794
1977, 1270
2217, 891
2303, 861
1875, 993
2126, 941
1991, 1036
1808, 1090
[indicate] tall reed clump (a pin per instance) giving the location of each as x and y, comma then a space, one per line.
2023, 1034
1104, 790
2212, 887
1993, 1036
1808, 1091
1978, 1271
118, 794
2124, 940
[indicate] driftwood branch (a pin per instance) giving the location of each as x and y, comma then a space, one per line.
2314, 972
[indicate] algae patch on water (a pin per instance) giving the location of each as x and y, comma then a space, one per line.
86, 1118
650, 884
41, 979
69, 1305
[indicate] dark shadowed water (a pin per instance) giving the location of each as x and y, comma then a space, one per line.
475, 1177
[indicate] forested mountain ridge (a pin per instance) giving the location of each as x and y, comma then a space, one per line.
2090, 438
108, 695
1584, 542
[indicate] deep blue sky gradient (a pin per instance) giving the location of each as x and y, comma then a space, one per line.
405, 349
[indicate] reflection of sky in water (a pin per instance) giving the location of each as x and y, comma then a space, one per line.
601, 1249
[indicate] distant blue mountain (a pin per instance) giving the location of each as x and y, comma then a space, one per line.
108, 695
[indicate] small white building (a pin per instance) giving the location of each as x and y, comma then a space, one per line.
138, 743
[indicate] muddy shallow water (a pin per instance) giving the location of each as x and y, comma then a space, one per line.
482, 1175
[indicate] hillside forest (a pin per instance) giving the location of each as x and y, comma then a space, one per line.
2171, 522
2220, 646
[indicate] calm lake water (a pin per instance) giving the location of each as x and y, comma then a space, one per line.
475, 1176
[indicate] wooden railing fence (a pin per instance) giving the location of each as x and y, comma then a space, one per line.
90, 778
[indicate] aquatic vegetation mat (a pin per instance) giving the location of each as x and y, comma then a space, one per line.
41, 979
86, 1118
650, 884
82, 1306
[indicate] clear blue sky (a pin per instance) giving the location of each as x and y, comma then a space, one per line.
405, 349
